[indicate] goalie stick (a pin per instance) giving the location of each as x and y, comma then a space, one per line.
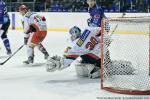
2, 63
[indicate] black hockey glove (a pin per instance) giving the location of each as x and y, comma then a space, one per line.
89, 21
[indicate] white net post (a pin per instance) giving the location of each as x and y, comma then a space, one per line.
125, 63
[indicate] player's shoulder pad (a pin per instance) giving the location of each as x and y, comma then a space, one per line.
3, 3
24, 19
98, 7
32, 14
93, 28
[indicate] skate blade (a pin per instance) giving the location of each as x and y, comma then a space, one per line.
38, 64
35, 64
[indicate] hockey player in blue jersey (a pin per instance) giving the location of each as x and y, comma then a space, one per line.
96, 14
4, 25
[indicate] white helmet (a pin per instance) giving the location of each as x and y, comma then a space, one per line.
23, 9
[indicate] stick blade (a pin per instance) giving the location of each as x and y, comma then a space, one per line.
1, 63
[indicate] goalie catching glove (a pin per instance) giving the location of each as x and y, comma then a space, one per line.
54, 63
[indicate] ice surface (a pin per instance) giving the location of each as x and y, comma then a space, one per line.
21, 82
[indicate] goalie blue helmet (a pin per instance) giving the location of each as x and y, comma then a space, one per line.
75, 32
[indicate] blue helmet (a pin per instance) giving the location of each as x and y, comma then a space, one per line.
75, 32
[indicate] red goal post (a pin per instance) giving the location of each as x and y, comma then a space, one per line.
125, 63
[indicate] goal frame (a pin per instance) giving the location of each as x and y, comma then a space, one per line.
111, 89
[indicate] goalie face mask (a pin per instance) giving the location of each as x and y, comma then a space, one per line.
75, 33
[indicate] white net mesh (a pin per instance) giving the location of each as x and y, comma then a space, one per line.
125, 62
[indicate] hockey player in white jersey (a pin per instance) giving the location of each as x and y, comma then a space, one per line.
35, 29
85, 45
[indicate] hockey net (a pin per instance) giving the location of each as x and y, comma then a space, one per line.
125, 55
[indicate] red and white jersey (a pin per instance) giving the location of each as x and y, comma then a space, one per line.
87, 43
35, 20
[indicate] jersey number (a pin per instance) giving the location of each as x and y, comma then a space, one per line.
90, 45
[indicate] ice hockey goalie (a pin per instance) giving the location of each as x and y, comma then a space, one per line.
84, 46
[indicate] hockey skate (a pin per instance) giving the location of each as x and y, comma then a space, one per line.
43, 50
29, 61
46, 55
95, 73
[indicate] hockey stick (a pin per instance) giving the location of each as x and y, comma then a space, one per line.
2, 63
108, 41
123, 14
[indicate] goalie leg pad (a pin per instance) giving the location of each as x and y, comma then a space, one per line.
87, 70
96, 74
94, 71
81, 70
